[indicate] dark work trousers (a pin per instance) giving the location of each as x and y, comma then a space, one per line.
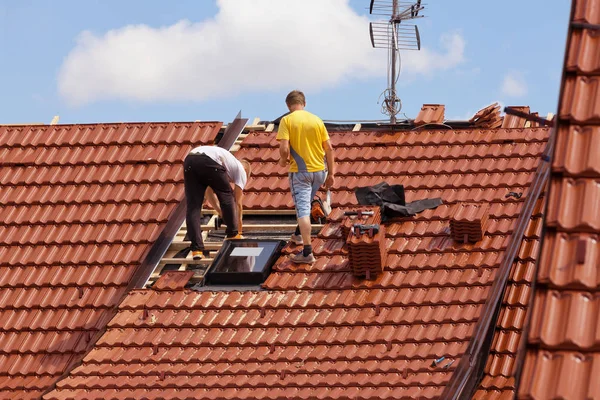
199, 172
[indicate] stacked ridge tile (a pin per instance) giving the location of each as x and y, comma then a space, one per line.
469, 221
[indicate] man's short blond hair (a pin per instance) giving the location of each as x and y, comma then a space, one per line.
295, 97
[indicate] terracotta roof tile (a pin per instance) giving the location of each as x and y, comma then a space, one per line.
319, 325
560, 374
81, 205
512, 121
584, 52
576, 151
430, 114
586, 11
563, 342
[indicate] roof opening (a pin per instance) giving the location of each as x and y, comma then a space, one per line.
244, 262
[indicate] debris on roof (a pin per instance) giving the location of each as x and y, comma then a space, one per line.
488, 117
173, 280
512, 121
563, 350
431, 114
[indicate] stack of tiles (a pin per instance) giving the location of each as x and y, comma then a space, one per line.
367, 251
469, 221
363, 215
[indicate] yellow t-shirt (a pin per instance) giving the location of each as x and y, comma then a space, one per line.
306, 133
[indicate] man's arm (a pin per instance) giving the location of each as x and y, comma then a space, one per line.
213, 201
238, 193
284, 152
330, 164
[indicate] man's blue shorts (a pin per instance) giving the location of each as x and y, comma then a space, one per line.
304, 187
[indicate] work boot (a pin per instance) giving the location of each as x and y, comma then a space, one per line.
302, 259
197, 255
238, 236
297, 239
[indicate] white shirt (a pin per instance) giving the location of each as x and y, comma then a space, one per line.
235, 169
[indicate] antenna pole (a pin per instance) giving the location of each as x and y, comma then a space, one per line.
394, 37
394, 50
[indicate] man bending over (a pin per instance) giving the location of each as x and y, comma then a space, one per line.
211, 170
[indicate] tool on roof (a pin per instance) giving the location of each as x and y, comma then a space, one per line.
516, 195
435, 363
359, 213
393, 36
372, 229
320, 209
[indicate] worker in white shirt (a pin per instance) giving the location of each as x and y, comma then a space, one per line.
211, 171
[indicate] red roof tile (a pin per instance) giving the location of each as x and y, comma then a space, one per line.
561, 375
455, 165
512, 121
563, 342
81, 205
430, 114
318, 331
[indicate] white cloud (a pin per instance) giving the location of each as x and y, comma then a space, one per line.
258, 45
514, 84
426, 61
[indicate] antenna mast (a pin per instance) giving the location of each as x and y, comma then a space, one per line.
394, 37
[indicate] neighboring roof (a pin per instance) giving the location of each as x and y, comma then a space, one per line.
317, 331
563, 358
80, 209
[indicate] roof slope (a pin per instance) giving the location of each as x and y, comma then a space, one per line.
563, 360
318, 332
80, 207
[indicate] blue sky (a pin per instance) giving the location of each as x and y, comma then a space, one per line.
138, 61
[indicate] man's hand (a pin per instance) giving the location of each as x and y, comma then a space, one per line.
284, 152
329, 181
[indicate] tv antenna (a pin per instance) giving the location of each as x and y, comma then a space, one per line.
394, 36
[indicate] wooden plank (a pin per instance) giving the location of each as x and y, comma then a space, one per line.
356, 128
182, 244
256, 121
187, 261
24, 124
197, 277
270, 128
211, 222
55, 120
207, 211
269, 212
255, 128
251, 227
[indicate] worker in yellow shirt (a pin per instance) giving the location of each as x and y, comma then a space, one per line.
303, 146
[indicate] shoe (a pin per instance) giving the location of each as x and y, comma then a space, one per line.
197, 255
238, 236
297, 239
301, 259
